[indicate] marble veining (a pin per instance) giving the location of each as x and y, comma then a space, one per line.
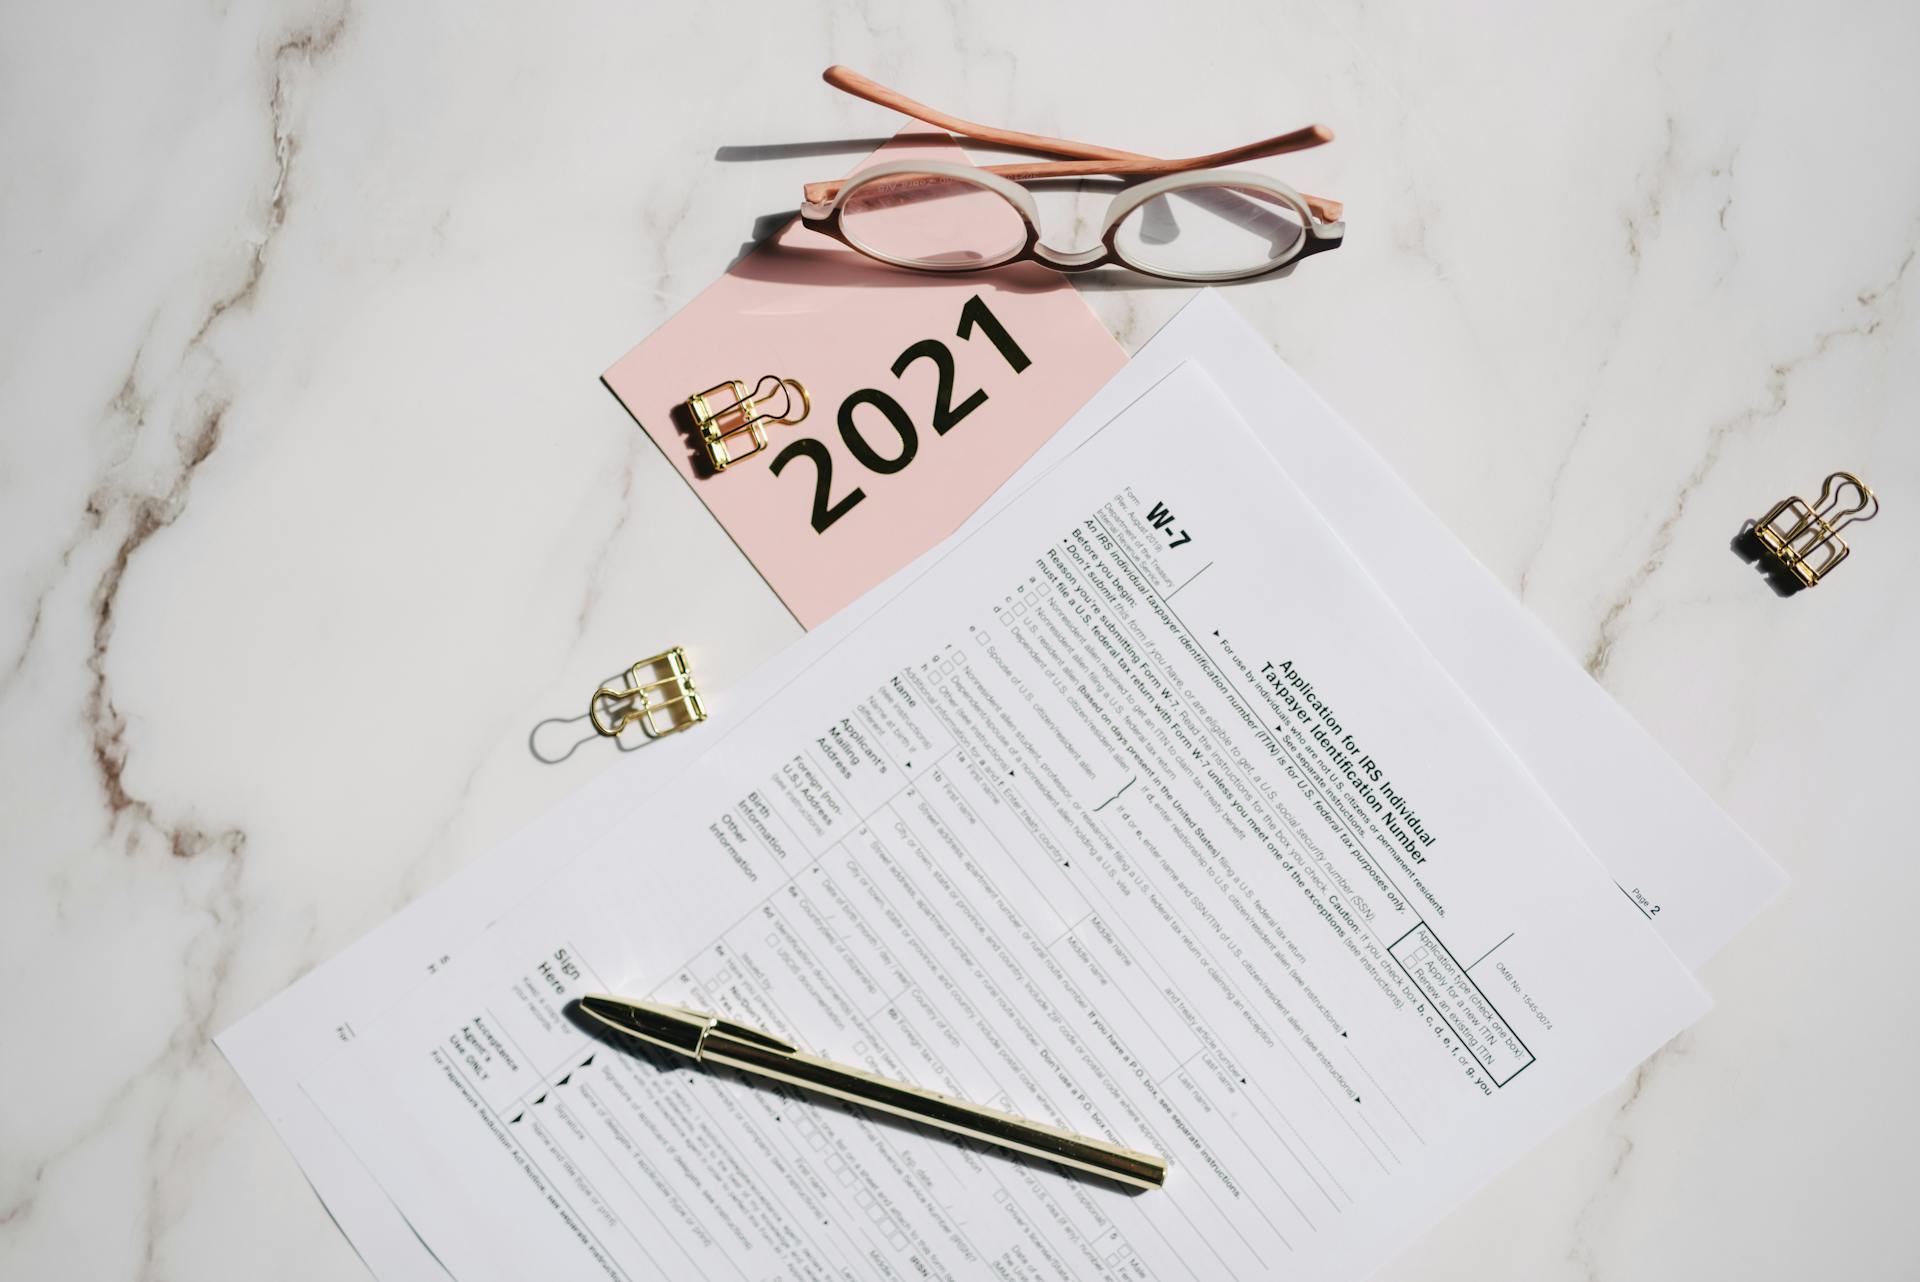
312, 509
1870, 304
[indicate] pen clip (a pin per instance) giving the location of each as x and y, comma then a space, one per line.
742, 1033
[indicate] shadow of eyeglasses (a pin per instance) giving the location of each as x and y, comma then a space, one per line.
1247, 208
748, 153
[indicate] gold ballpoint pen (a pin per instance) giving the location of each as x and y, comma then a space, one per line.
708, 1038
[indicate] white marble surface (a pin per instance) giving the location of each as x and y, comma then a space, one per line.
311, 506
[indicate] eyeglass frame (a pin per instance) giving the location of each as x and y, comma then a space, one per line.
1316, 235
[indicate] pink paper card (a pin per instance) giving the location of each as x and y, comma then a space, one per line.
928, 392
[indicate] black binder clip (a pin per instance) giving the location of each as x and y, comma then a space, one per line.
1804, 539
659, 696
732, 421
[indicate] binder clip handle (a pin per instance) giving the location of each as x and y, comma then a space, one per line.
792, 391
1864, 504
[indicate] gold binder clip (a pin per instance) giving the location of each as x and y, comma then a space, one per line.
727, 412
1805, 539
659, 695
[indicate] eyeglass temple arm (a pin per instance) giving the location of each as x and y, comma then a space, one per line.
847, 80
1088, 160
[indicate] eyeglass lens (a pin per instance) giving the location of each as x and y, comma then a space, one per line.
932, 220
1206, 230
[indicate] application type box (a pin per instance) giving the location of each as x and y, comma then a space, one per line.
1480, 1029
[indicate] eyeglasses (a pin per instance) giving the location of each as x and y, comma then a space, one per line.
1194, 222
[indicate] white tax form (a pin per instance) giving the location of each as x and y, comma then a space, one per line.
1141, 812
1672, 848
